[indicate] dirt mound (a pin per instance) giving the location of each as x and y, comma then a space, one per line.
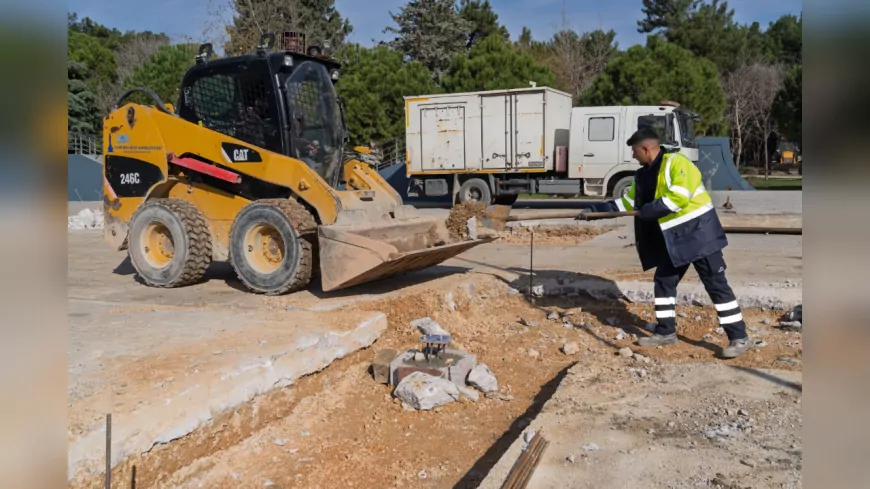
459, 216
552, 235
357, 429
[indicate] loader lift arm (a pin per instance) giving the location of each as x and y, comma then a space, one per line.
246, 169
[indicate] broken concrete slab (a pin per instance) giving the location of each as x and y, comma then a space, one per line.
423, 391
451, 364
482, 378
428, 325
576, 428
158, 396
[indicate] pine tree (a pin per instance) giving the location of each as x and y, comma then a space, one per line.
319, 20
495, 64
431, 32
373, 83
162, 72
787, 108
483, 19
645, 75
81, 111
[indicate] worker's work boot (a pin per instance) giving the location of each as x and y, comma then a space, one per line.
737, 347
658, 340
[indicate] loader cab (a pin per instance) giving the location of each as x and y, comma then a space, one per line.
284, 102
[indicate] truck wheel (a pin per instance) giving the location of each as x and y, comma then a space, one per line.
170, 243
475, 189
272, 246
622, 186
506, 199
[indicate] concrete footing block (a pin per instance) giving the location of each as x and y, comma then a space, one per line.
381, 365
453, 365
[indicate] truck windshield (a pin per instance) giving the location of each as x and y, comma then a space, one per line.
315, 119
687, 129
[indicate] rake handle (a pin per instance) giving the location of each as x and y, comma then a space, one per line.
570, 214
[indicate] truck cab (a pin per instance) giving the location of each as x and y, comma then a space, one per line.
597, 152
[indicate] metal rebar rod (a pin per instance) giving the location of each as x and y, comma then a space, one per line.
520, 464
536, 459
109, 451
761, 230
531, 265
528, 468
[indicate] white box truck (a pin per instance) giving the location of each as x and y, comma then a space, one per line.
492, 146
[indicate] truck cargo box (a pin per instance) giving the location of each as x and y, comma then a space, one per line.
494, 131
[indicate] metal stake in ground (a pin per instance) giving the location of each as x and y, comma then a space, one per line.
531, 265
109, 451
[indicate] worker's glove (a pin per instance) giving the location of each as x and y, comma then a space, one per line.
583, 216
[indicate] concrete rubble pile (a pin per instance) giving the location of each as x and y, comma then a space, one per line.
427, 378
86, 219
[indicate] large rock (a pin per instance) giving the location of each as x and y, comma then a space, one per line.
423, 391
428, 325
482, 378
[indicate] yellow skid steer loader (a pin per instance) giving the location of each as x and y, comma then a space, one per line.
250, 168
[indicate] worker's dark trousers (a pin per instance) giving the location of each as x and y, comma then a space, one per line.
711, 271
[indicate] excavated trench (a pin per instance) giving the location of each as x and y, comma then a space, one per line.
338, 428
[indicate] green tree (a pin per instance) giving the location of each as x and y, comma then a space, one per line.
706, 29
318, 20
645, 75
784, 40
787, 107
540, 51
99, 60
664, 15
431, 32
162, 72
373, 83
495, 64
483, 19
108, 37
81, 110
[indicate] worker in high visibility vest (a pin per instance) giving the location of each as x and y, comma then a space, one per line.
677, 226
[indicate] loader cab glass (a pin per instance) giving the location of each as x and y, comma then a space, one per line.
315, 119
235, 99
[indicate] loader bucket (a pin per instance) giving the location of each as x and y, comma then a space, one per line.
359, 249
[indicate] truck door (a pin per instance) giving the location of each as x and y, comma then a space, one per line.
442, 129
495, 120
528, 118
600, 144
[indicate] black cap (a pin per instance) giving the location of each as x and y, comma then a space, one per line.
643, 133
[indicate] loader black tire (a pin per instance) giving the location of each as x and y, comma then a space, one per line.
286, 266
178, 229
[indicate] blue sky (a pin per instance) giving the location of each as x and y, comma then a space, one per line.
180, 18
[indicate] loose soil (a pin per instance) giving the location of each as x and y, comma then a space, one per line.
457, 221
551, 235
351, 432
544, 235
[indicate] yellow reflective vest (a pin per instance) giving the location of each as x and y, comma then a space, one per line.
684, 211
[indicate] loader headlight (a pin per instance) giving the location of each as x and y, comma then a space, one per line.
334, 75
288, 60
